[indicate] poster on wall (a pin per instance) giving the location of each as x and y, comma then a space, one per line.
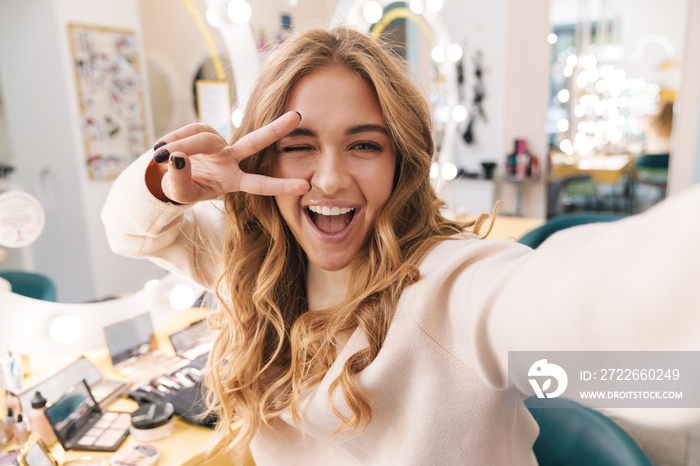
111, 94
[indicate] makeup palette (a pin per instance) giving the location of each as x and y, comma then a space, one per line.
80, 423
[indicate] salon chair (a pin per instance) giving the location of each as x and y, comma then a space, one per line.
651, 170
31, 284
560, 222
571, 434
572, 194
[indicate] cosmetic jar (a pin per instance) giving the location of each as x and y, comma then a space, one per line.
152, 421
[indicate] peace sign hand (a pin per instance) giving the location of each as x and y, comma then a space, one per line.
203, 166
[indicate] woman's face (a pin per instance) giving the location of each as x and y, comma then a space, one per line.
342, 148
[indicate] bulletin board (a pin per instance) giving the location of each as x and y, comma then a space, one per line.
111, 97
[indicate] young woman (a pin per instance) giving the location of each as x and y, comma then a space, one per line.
357, 325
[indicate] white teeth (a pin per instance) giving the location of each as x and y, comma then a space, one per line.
325, 210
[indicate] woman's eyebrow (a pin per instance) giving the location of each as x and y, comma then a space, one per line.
301, 132
366, 129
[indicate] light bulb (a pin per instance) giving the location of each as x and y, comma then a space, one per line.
438, 54
435, 5
239, 11
372, 12
182, 297
65, 329
150, 284
213, 17
417, 7
449, 171
459, 113
454, 52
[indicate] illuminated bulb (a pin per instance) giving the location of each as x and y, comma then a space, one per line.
417, 7
563, 125
571, 61
372, 12
580, 111
150, 284
454, 52
443, 114
582, 80
449, 171
237, 117
438, 54
568, 71
239, 11
563, 96
435, 5
607, 71
566, 147
213, 18
65, 329
182, 297
588, 61
552, 38
601, 86
434, 170
620, 75
459, 113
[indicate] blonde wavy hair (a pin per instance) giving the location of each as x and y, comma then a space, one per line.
269, 348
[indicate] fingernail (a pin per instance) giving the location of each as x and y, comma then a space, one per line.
161, 156
178, 162
299, 116
159, 145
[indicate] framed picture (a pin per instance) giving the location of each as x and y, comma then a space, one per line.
111, 98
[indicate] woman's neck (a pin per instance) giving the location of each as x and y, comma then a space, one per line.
325, 289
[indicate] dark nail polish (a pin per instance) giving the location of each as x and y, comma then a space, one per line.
161, 156
178, 162
159, 145
310, 187
299, 116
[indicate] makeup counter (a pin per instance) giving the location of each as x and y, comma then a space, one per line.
94, 427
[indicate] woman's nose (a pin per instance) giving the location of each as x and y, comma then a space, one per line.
331, 174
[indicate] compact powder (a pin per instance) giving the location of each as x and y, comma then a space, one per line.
107, 431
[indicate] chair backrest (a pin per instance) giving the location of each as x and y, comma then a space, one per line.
31, 284
560, 222
652, 161
574, 434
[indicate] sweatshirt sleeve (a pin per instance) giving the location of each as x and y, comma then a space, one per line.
184, 239
626, 285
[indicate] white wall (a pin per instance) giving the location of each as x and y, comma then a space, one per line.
42, 118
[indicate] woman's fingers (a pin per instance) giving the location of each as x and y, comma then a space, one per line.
184, 132
259, 139
177, 184
269, 186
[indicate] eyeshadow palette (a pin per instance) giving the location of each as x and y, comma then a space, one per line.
80, 424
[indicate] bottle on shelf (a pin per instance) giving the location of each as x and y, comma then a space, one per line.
21, 430
38, 421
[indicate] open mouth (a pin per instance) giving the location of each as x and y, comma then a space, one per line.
330, 220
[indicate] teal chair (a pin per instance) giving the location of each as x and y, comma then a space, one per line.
571, 434
560, 222
650, 170
31, 284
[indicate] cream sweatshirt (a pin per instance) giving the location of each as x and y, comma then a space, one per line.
438, 387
